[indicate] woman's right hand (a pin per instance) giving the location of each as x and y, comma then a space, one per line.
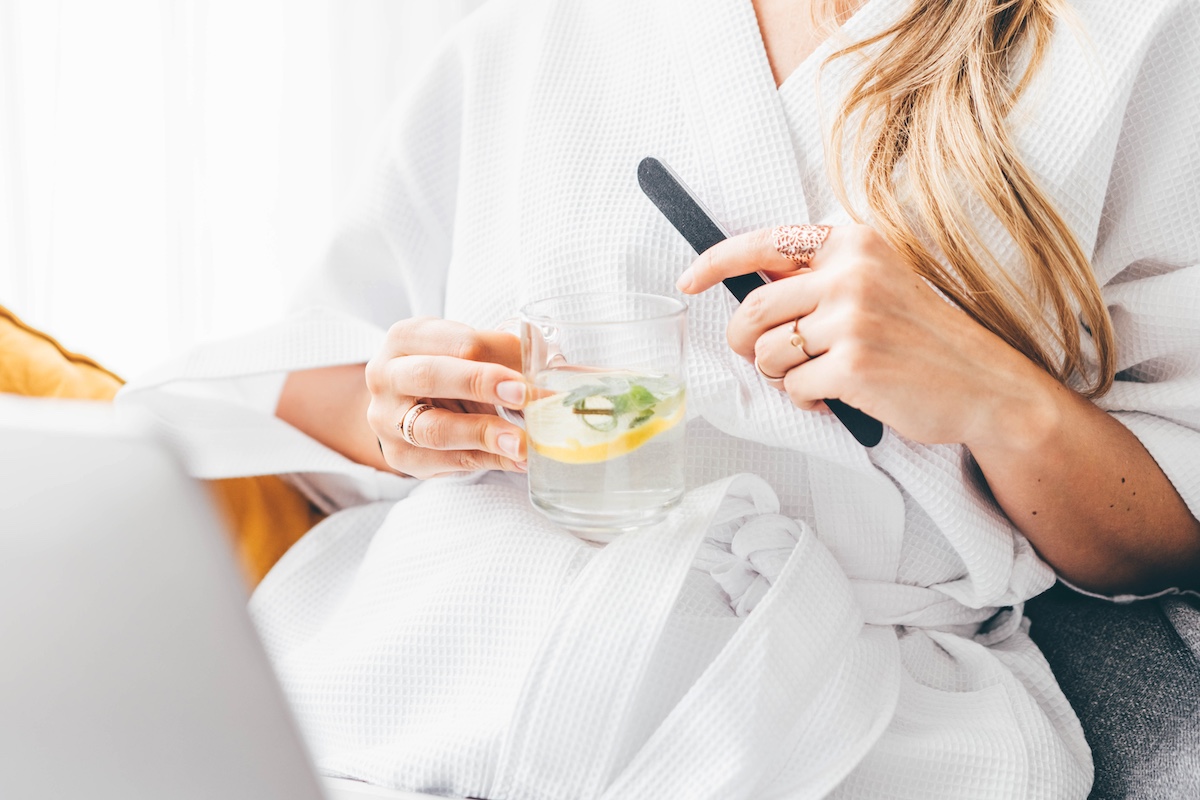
464, 373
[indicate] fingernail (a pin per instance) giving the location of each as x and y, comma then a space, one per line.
685, 280
522, 465
510, 445
511, 392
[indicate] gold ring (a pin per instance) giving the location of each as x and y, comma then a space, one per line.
797, 338
774, 380
406, 425
799, 242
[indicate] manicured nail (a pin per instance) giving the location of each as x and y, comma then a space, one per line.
510, 445
511, 392
685, 280
523, 466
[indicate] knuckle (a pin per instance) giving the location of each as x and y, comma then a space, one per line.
755, 307
762, 240
738, 340
862, 236
855, 358
483, 436
731, 338
400, 331
435, 432
467, 461
706, 264
374, 374
855, 283
477, 384
759, 348
792, 387
418, 471
868, 243
852, 323
417, 463
422, 376
469, 347
861, 326
375, 418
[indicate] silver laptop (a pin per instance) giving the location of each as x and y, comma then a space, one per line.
128, 666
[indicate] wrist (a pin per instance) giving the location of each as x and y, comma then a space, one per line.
1022, 418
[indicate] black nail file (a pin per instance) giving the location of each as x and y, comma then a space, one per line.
689, 216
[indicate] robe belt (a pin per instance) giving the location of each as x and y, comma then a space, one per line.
759, 547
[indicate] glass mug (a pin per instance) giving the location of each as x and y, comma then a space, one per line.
605, 417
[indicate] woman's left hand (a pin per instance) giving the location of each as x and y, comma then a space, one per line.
873, 334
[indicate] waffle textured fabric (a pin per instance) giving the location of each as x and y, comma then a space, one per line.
816, 619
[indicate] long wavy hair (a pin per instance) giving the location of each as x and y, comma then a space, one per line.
927, 118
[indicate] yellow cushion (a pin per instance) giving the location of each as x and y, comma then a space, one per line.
34, 365
265, 515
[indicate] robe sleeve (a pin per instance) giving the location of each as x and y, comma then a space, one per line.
389, 257
1149, 241
388, 260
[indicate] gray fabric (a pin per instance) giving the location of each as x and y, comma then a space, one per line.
1184, 616
1132, 674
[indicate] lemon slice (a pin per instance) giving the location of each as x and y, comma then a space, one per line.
588, 432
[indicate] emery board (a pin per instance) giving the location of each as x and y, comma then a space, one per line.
701, 230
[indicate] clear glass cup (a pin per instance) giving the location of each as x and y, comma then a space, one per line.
605, 419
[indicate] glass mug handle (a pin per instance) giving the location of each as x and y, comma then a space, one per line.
554, 357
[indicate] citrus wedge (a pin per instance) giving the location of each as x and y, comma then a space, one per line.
588, 433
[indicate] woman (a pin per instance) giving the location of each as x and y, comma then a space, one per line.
1008, 283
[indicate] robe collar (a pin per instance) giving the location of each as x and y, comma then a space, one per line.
747, 169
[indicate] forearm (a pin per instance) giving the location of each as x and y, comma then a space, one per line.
1088, 495
330, 405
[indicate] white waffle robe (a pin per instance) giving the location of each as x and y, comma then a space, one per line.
816, 619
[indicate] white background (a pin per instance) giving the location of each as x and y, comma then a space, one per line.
169, 168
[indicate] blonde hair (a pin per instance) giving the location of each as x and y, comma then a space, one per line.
931, 106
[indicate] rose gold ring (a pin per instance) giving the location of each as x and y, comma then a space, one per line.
405, 426
799, 242
774, 380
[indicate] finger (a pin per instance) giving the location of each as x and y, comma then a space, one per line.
473, 461
800, 245
453, 378
738, 255
419, 462
782, 348
808, 384
771, 306
756, 252
444, 337
437, 429
471, 407
460, 406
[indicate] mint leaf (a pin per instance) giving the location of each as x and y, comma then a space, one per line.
600, 404
640, 397
642, 418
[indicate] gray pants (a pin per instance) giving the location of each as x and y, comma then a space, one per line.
1132, 673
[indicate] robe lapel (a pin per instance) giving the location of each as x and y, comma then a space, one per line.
748, 174
745, 170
